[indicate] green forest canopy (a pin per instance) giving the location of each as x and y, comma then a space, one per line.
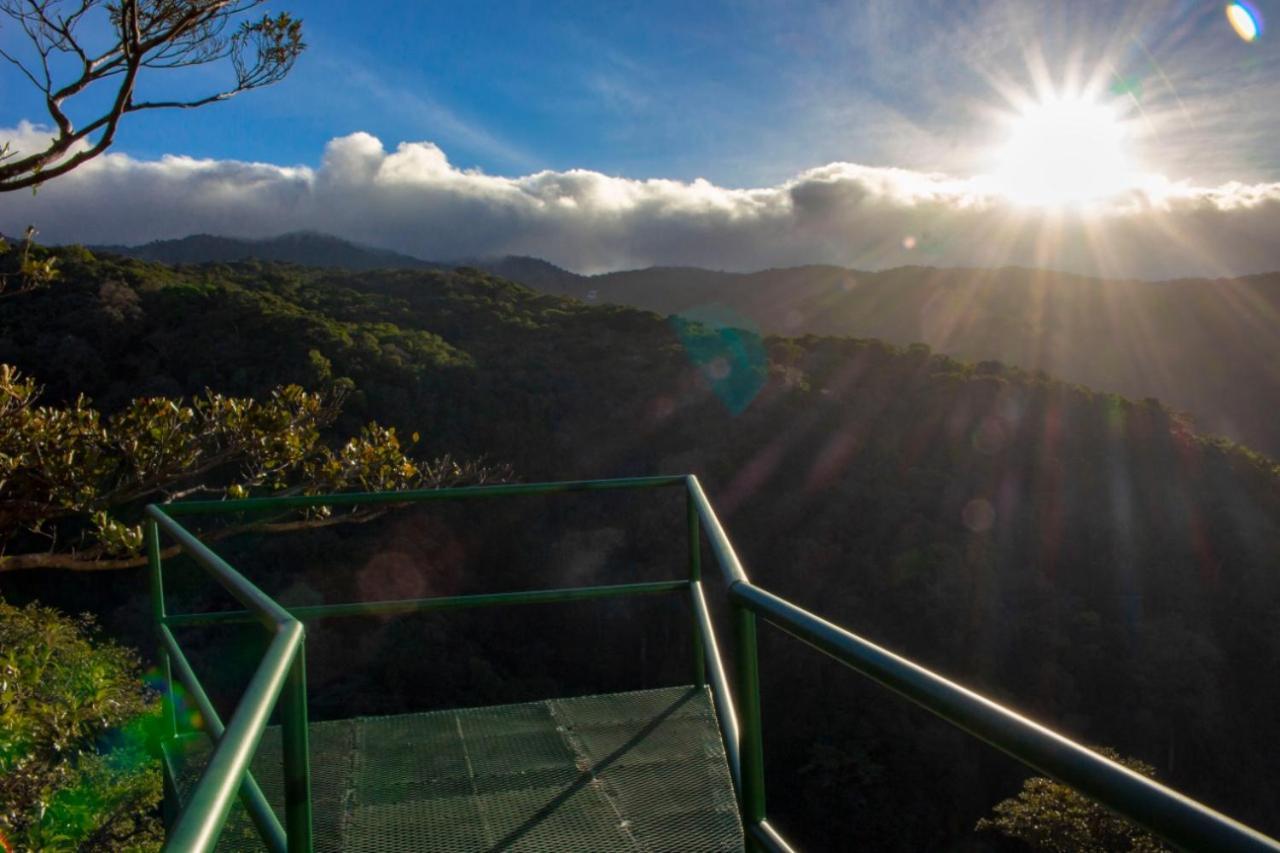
1088, 557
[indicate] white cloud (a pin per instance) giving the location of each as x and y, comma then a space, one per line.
413, 200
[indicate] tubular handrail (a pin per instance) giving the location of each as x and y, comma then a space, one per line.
422, 605
255, 803
201, 821
726, 556
769, 838
281, 675
719, 683
281, 669
185, 508
1173, 816
262, 605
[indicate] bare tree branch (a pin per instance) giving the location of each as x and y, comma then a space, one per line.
17, 63
149, 34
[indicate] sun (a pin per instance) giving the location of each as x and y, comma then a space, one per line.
1063, 152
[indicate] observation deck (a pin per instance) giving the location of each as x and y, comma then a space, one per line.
669, 768
643, 770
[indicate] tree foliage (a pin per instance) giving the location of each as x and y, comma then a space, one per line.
64, 61
1124, 589
1051, 817
72, 480
75, 724
23, 270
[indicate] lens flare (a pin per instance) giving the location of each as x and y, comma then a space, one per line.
727, 349
1245, 20
978, 515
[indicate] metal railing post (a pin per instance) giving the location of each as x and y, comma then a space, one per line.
297, 760
720, 692
255, 803
695, 575
169, 721
748, 696
152, 534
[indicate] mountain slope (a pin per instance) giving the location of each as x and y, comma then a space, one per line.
1087, 557
306, 248
1207, 347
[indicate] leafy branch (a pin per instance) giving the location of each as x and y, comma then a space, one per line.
72, 481
21, 271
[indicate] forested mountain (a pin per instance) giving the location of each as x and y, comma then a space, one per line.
1091, 559
299, 247
1207, 347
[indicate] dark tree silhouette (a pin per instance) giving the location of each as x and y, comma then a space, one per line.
69, 67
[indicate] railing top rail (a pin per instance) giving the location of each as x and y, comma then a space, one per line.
561, 595
262, 605
264, 818
202, 819
187, 508
1177, 818
726, 556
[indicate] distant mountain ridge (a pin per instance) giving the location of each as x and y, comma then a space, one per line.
1208, 347
306, 248
317, 249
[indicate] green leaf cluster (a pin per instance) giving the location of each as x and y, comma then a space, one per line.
72, 481
26, 269
1048, 816
76, 735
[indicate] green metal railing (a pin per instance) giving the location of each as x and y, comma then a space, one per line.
280, 676
282, 670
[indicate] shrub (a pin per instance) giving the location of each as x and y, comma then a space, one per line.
76, 724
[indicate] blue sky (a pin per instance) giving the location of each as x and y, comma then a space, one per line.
749, 95
741, 93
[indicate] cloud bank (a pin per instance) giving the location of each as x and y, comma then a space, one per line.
413, 200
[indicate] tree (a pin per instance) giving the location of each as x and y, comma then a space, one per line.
63, 697
72, 482
63, 61
1052, 817
21, 271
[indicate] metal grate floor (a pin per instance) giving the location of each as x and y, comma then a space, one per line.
628, 771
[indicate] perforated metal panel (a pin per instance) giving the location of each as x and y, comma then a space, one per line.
630, 771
